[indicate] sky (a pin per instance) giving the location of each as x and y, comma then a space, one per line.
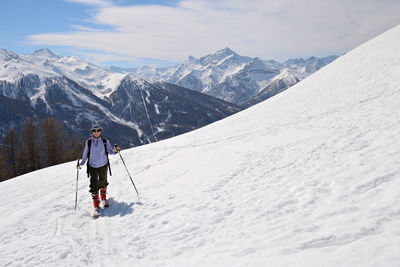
131, 33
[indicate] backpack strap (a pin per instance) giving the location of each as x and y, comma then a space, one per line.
89, 143
105, 146
105, 150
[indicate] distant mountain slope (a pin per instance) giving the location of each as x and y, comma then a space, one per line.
14, 113
162, 110
293, 71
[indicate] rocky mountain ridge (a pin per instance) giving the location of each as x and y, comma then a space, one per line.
132, 110
237, 79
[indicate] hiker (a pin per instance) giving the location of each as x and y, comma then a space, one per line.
96, 152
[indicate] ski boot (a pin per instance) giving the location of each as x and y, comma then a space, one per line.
96, 205
103, 197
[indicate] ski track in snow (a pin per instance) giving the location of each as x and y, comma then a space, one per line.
308, 178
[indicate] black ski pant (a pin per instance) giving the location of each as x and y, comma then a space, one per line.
98, 178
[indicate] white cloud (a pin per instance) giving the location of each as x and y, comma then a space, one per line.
99, 3
264, 28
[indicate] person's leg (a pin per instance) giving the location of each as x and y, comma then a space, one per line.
94, 185
96, 201
103, 183
103, 176
94, 180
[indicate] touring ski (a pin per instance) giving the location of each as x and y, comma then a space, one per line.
96, 213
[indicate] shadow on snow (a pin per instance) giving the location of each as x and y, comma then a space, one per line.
118, 208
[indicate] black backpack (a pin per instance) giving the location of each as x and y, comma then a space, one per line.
89, 143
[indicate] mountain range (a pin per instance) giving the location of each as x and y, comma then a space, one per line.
138, 106
79, 93
237, 79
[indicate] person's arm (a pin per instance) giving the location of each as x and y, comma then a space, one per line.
85, 154
112, 150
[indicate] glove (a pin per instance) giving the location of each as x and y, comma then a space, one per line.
116, 148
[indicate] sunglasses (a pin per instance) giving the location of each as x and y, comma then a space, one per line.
96, 131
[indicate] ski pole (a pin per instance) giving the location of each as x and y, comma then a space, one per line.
128, 173
77, 176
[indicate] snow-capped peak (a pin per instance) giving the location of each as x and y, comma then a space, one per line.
221, 55
191, 60
225, 52
260, 63
45, 63
44, 52
6, 55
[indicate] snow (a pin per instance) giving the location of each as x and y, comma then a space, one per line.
100, 81
45, 63
310, 177
156, 108
213, 73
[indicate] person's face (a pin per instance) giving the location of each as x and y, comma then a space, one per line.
96, 132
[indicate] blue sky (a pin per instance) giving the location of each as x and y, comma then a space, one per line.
22, 18
131, 33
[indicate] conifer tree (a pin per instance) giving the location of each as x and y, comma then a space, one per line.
11, 145
3, 168
22, 158
31, 147
52, 136
75, 148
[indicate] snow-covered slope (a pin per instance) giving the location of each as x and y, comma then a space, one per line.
310, 177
